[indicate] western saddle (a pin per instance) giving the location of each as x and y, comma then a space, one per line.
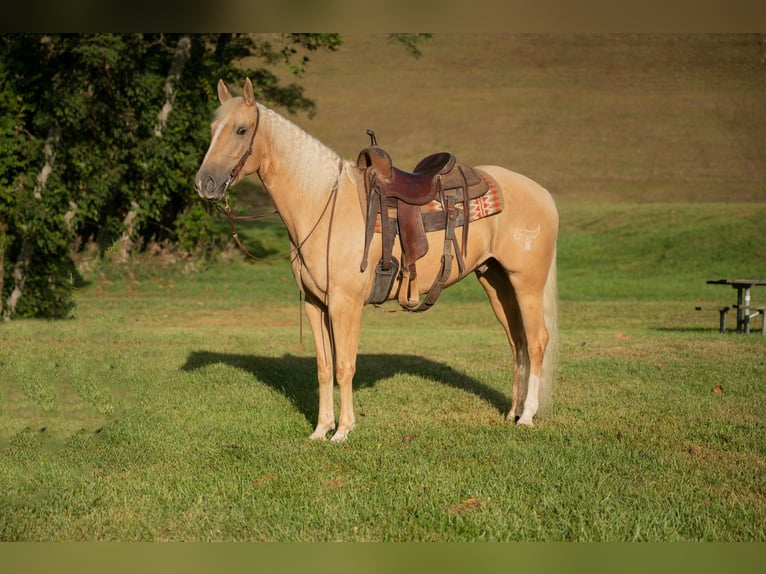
395, 198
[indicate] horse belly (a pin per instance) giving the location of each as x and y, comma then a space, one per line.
429, 266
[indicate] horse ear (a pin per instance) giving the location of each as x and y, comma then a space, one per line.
223, 92
248, 92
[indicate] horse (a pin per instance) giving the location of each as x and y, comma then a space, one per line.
319, 197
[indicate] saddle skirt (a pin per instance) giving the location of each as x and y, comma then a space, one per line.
439, 194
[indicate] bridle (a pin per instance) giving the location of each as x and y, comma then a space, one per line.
233, 174
248, 152
226, 208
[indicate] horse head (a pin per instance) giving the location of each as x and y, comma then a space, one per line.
232, 133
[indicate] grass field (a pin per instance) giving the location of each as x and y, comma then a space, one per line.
176, 404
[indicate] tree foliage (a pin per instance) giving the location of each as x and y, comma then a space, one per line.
99, 138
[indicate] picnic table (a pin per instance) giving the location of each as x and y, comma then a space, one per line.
745, 311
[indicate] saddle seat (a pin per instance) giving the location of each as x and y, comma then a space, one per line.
414, 188
421, 186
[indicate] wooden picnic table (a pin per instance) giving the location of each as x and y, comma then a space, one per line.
743, 305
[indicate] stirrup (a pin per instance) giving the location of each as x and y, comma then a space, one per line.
409, 296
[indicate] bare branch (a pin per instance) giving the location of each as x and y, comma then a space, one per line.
182, 56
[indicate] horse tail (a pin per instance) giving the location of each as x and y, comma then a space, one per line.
550, 359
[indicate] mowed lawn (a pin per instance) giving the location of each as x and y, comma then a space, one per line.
177, 402
177, 407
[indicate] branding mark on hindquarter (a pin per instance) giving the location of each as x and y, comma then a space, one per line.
527, 235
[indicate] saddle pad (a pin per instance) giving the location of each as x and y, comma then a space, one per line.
483, 206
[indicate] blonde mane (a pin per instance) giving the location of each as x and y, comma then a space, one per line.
313, 165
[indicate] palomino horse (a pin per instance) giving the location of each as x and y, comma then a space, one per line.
319, 198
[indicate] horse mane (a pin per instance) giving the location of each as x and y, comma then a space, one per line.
310, 158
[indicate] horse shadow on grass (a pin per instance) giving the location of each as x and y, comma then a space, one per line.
295, 377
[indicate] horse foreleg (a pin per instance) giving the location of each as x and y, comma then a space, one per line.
346, 319
316, 313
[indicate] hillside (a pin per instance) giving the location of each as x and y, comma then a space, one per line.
605, 118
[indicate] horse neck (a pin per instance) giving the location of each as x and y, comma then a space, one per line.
298, 171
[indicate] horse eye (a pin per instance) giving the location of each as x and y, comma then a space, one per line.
241, 131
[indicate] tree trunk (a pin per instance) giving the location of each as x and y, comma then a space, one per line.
25, 254
3, 243
19, 278
125, 243
182, 56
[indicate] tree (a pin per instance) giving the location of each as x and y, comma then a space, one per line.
100, 135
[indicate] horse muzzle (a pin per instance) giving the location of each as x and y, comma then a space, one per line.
208, 188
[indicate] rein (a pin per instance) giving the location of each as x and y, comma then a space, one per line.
226, 210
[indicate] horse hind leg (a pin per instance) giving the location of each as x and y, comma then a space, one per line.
502, 297
530, 298
538, 301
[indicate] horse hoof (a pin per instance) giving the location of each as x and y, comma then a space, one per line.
341, 435
525, 421
320, 432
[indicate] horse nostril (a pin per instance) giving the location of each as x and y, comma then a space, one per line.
205, 185
210, 185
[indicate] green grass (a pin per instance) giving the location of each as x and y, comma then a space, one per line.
178, 409
668, 250
176, 404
